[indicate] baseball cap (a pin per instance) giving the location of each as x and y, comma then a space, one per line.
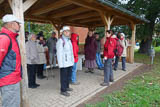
10, 18
65, 28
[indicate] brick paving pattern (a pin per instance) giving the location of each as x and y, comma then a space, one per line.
48, 94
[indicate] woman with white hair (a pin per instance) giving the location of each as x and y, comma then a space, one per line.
65, 59
32, 60
124, 44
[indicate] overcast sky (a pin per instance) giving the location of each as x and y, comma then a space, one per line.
124, 1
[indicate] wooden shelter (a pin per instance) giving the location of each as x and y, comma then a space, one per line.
81, 13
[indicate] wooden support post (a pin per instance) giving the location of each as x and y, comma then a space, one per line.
17, 9
107, 20
133, 27
91, 28
57, 27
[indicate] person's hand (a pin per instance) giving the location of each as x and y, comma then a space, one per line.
105, 58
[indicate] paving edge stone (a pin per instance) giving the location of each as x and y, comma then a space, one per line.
97, 90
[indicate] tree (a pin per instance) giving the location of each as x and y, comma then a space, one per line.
150, 9
37, 27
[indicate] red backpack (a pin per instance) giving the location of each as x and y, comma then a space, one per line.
119, 49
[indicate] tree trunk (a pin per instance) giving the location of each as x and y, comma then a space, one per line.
145, 45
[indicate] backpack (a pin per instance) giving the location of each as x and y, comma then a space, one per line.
10, 45
119, 49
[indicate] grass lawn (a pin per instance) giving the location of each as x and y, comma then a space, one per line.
142, 91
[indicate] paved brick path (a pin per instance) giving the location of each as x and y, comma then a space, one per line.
48, 94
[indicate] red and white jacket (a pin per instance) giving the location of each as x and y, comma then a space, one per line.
10, 62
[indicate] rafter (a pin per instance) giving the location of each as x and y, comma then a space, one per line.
1, 1
27, 4
84, 4
50, 7
89, 20
82, 16
69, 12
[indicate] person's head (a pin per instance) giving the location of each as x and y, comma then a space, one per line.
11, 23
66, 31
109, 33
53, 34
90, 33
41, 38
97, 35
122, 36
32, 37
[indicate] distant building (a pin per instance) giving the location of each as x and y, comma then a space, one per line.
82, 32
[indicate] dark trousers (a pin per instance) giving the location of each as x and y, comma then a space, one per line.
123, 62
40, 70
108, 73
31, 69
65, 77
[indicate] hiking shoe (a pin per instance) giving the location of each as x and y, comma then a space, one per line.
33, 86
111, 80
75, 83
37, 85
65, 94
69, 89
91, 72
101, 68
104, 84
86, 71
115, 69
124, 69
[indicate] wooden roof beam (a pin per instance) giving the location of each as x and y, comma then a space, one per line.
50, 7
83, 16
90, 20
69, 12
27, 4
85, 4
1, 1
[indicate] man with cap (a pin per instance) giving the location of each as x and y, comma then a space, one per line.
10, 62
65, 60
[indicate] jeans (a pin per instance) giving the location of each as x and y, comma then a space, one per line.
74, 72
31, 69
123, 62
108, 74
65, 76
10, 95
99, 61
52, 59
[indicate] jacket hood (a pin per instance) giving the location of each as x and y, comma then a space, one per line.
10, 33
74, 37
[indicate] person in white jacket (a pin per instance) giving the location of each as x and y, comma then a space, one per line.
42, 57
65, 60
124, 44
32, 60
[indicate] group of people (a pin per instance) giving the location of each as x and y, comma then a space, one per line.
65, 49
115, 47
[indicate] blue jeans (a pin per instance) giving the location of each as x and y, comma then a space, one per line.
99, 61
11, 95
74, 73
123, 62
108, 74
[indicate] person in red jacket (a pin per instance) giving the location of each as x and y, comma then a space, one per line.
109, 48
10, 62
74, 40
